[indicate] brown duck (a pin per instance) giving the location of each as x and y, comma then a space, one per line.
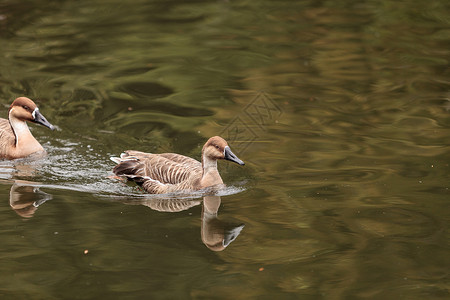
170, 172
16, 140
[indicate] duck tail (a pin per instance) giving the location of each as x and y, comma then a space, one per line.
115, 159
127, 166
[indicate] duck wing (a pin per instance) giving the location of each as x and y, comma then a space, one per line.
184, 160
159, 173
7, 137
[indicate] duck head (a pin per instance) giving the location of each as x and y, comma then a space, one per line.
25, 109
217, 148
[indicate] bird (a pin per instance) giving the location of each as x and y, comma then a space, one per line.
170, 172
16, 140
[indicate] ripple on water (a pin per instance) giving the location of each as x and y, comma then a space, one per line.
340, 176
396, 222
145, 89
131, 71
69, 168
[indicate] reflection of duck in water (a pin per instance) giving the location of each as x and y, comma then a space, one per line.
164, 204
170, 172
217, 234
10, 169
16, 140
25, 197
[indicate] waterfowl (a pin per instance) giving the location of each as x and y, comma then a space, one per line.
16, 140
170, 172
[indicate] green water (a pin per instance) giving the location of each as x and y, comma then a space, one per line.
340, 109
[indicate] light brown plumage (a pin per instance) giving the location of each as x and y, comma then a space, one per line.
16, 140
170, 172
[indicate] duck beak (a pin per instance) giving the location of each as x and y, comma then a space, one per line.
40, 119
232, 234
231, 157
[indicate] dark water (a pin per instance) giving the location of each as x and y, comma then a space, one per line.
340, 109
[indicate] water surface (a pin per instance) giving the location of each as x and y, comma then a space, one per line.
340, 110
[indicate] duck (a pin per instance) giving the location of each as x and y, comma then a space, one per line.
170, 172
16, 140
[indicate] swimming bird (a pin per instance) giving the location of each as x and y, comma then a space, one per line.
170, 172
16, 140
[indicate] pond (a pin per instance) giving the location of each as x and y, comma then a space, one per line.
340, 110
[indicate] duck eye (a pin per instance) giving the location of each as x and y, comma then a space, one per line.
217, 147
26, 107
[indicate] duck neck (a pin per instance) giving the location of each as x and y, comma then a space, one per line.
25, 141
210, 174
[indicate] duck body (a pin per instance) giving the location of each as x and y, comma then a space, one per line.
16, 140
170, 172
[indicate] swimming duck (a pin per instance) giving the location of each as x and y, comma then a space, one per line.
16, 140
170, 172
